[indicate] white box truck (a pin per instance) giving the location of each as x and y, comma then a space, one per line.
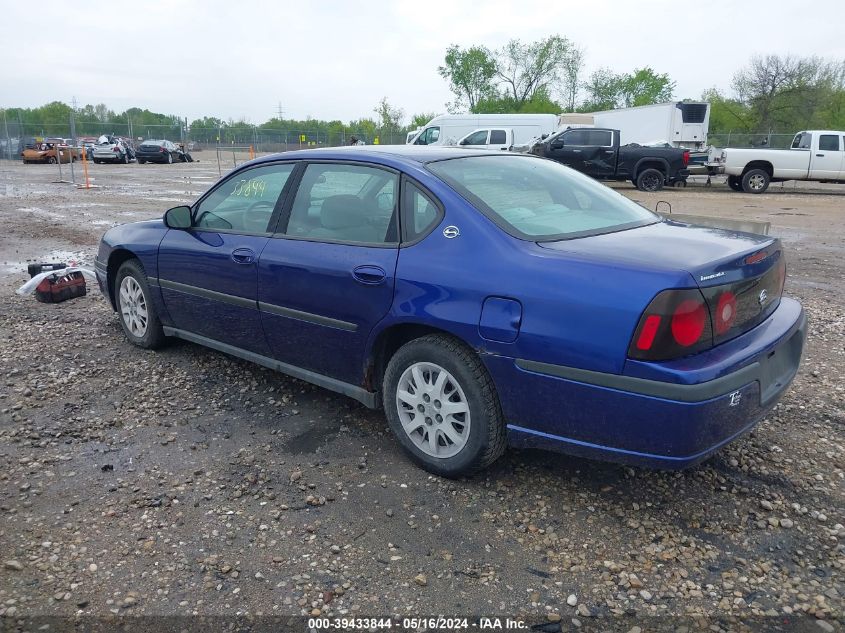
448, 129
680, 124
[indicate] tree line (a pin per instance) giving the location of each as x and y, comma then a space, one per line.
770, 94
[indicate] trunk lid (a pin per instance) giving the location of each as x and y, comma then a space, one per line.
740, 275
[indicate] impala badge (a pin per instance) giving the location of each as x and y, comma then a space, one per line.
451, 232
764, 296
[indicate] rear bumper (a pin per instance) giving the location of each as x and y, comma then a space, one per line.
648, 422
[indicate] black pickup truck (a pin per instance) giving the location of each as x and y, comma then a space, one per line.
596, 152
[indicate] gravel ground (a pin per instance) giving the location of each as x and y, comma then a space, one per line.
185, 482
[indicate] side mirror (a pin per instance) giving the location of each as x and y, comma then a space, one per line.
178, 218
544, 137
556, 145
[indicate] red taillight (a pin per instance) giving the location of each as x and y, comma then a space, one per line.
161, 149
115, 149
676, 323
725, 315
648, 332
686, 157
688, 322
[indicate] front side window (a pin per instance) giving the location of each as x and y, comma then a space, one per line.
345, 203
245, 202
829, 143
540, 200
476, 138
802, 140
428, 136
575, 137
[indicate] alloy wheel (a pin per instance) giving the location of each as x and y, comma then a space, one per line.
133, 306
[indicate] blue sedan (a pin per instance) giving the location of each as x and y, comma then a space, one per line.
482, 299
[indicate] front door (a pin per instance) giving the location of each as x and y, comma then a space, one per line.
327, 278
208, 273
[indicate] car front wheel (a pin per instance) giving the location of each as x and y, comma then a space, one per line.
138, 317
442, 406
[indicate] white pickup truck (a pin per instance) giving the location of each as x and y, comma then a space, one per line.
814, 155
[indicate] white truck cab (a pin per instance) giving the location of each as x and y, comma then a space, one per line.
488, 138
814, 155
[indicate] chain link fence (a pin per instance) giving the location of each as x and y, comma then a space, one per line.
16, 135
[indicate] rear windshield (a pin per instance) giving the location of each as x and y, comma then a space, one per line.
541, 200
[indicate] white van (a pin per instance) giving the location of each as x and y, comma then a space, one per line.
448, 129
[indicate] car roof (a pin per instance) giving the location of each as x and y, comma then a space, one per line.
377, 153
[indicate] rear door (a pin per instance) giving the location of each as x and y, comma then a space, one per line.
326, 277
209, 273
826, 161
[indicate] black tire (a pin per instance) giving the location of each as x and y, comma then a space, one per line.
650, 180
486, 439
51, 160
125, 160
735, 183
153, 335
169, 158
141, 161
755, 181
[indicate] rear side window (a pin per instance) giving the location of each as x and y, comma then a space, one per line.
829, 142
602, 138
498, 137
345, 203
419, 212
244, 203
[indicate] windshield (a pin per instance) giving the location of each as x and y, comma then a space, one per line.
537, 199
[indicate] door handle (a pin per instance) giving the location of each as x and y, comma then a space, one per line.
577, 151
820, 155
369, 275
243, 256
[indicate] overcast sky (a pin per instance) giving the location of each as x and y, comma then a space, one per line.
335, 60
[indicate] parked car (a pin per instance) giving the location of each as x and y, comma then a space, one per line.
481, 298
814, 155
160, 152
112, 149
596, 152
50, 152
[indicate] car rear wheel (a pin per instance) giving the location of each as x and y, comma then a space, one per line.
755, 181
125, 159
51, 160
141, 161
169, 158
650, 180
735, 183
442, 406
138, 317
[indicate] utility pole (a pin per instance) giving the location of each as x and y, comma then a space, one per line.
8, 138
73, 122
281, 112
